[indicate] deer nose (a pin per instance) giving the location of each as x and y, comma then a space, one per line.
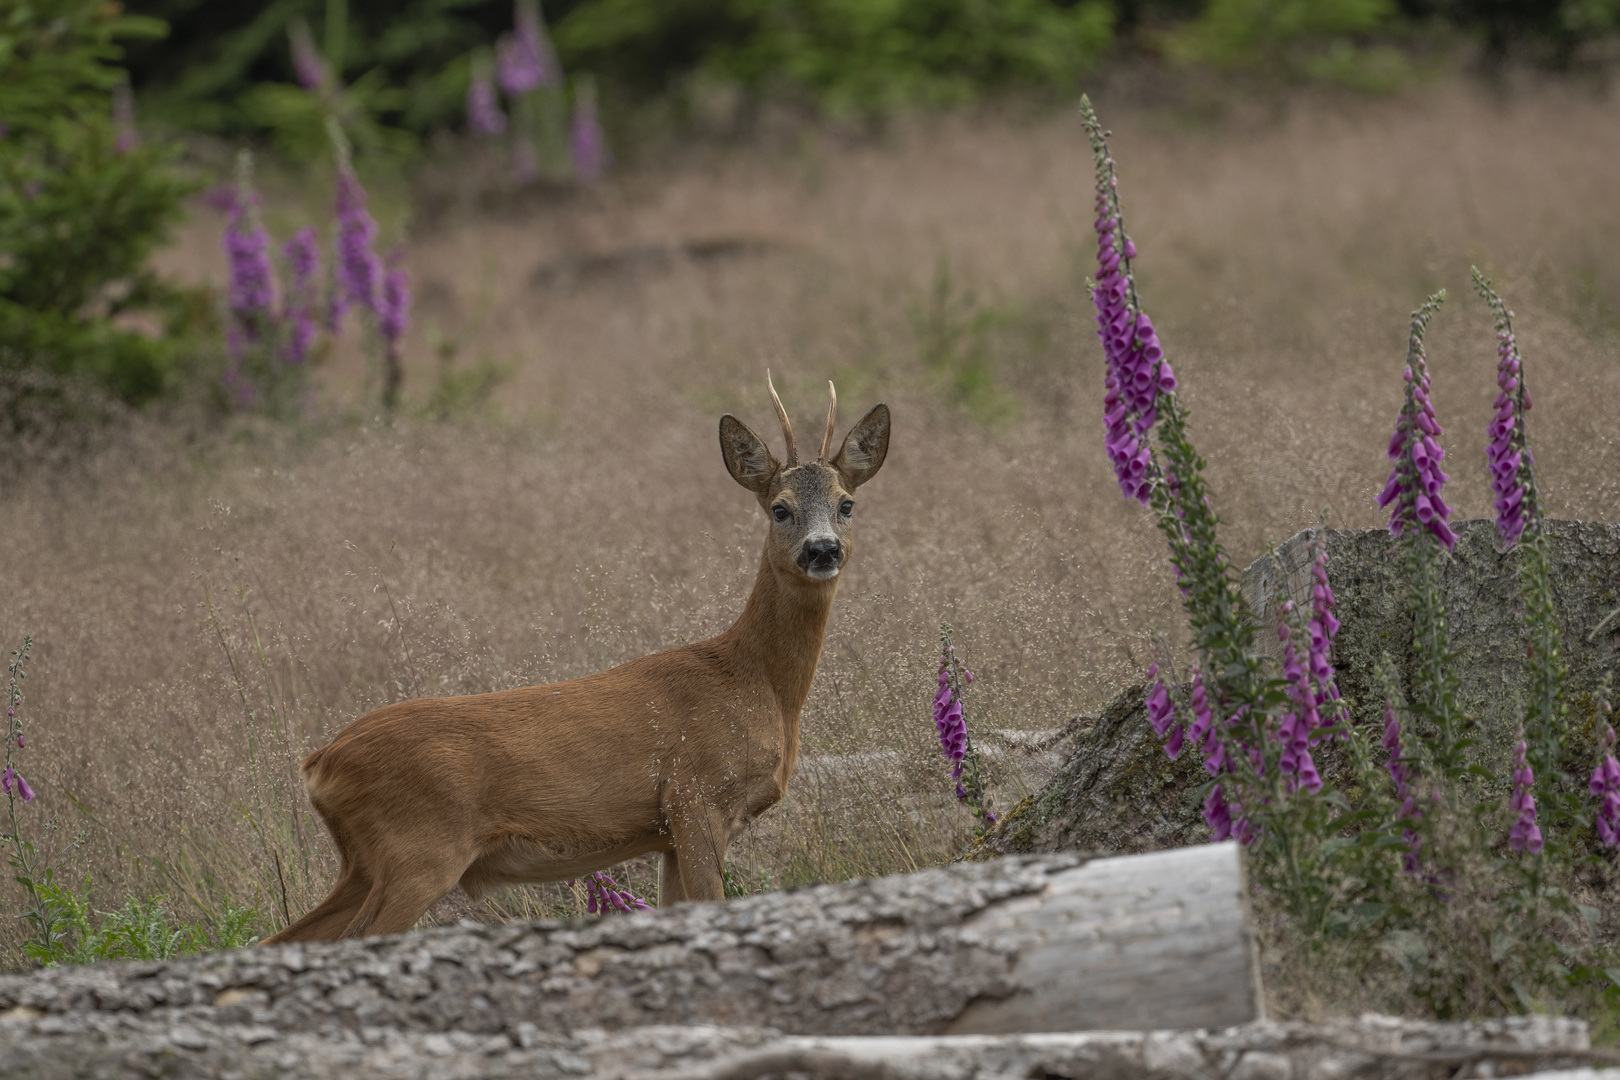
825, 551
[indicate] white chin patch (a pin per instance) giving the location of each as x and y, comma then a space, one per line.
823, 573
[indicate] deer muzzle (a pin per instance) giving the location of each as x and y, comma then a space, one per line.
821, 557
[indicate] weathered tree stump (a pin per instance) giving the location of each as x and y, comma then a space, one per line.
1118, 791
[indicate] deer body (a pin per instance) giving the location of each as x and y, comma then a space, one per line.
669, 753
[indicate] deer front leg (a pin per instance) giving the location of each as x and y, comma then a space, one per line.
669, 881
701, 835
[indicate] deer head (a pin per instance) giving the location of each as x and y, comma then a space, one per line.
810, 504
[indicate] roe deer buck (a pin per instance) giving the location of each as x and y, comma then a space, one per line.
672, 753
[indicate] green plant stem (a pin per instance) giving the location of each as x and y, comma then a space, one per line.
337, 35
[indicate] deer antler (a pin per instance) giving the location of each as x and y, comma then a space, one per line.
787, 428
832, 418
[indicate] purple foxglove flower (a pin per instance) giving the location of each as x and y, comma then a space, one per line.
1203, 729
1403, 774
303, 256
1172, 745
1605, 785
516, 67
1413, 490
1162, 715
1526, 835
950, 723
525, 60
1512, 466
1305, 774
1222, 810
602, 892
301, 337
12, 779
1243, 831
357, 266
1606, 777
308, 64
484, 114
951, 727
1217, 815
394, 307
1136, 371
1315, 686
1293, 731
586, 142
251, 292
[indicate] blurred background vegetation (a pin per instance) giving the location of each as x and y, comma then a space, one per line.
86, 199
832, 55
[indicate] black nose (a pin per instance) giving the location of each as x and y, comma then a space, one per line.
823, 552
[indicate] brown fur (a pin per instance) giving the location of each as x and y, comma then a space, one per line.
671, 753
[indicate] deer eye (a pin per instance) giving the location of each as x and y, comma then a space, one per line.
781, 513
847, 508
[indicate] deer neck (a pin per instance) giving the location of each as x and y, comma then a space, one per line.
781, 630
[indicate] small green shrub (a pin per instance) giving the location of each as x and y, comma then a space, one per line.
82, 205
140, 930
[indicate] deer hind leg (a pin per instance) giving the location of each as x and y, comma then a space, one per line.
327, 920
400, 896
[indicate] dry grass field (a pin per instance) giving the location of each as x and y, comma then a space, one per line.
210, 606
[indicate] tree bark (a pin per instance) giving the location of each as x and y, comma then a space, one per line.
126, 1047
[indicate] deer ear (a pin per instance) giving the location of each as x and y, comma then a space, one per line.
865, 447
747, 459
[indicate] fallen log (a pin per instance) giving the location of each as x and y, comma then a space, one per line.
1057, 944
116, 1047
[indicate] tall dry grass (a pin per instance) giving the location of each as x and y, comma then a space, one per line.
208, 609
